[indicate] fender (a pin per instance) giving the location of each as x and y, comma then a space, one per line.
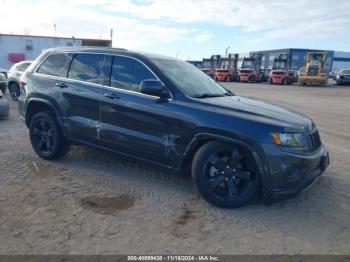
200, 137
50, 105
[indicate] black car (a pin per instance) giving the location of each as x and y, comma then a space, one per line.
167, 112
343, 77
3, 81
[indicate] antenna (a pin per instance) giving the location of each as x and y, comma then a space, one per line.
54, 28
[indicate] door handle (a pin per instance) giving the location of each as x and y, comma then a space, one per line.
111, 95
61, 85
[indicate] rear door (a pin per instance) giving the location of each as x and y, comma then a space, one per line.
78, 95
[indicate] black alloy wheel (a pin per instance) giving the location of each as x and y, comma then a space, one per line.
46, 136
224, 176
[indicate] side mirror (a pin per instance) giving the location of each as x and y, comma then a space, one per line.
154, 88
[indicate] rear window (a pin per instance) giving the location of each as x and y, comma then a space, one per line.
23, 67
55, 65
89, 68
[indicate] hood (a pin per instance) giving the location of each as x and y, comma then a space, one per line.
259, 111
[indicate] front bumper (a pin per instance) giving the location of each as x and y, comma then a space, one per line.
290, 174
313, 79
245, 78
277, 80
4, 108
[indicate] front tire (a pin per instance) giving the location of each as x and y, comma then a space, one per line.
225, 175
46, 136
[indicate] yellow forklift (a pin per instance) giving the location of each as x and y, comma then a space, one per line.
314, 71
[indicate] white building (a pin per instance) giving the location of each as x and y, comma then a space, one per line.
16, 48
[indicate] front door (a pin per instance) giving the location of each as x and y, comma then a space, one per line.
131, 122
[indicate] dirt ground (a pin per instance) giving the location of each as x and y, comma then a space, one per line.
92, 202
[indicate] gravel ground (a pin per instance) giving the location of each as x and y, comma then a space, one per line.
92, 202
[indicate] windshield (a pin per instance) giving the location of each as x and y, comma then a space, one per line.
247, 64
345, 72
189, 79
316, 58
280, 65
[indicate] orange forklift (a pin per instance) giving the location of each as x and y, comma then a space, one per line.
227, 69
251, 69
210, 64
280, 73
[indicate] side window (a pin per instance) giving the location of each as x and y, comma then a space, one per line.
55, 65
128, 73
88, 68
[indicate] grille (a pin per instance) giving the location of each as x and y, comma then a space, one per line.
315, 141
313, 70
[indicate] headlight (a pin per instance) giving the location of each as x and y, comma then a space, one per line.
289, 139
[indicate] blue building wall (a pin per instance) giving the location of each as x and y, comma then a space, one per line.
296, 56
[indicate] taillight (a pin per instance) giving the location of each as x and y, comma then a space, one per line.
22, 81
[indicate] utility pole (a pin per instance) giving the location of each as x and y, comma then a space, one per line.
226, 51
54, 28
111, 33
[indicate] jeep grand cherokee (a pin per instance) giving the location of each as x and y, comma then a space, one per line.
167, 112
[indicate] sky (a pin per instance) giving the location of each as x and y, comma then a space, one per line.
187, 29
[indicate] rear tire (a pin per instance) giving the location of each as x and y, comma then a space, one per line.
285, 81
46, 136
14, 90
228, 79
224, 175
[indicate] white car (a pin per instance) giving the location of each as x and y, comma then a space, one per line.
13, 77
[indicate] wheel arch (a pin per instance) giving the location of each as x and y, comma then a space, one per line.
12, 80
38, 105
202, 138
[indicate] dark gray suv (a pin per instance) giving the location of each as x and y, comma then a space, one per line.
169, 113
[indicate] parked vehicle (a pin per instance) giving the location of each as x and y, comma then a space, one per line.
281, 73
227, 69
3, 83
3, 70
167, 112
210, 64
295, 75
314, 71
13, 77
4, 106
251, 69
343, 77
334, 74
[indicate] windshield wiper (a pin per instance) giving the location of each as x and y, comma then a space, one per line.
229, 93
209, 95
